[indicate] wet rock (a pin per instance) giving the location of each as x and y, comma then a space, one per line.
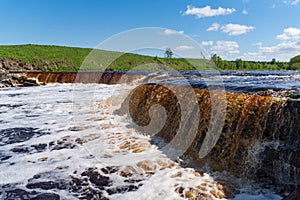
90, 184
295, 94
128, 171
21, 149
294, 195
39, 147
122, 189
18, 194
44, 185
64, 143
147, 166
19, 81
81, 186
92, 195
79, 141
96, 178
110, 169
15, 135
37, 176
46, 196
4, 157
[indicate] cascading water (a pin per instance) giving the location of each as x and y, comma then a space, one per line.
45, 152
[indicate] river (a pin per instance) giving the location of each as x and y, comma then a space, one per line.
64, 141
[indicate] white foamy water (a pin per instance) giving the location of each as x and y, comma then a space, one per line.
75, 130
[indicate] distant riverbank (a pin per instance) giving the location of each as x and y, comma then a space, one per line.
45, 58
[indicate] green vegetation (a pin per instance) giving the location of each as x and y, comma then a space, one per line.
240, 64
62, 59
57, 58
295, 63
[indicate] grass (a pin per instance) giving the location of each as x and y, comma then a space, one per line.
62, 59
65, 57
72, 59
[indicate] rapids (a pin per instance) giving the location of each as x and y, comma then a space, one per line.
52, 146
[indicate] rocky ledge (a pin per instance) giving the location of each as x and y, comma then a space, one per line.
259, 138
19, 80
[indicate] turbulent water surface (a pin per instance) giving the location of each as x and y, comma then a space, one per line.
251, 81
64, 141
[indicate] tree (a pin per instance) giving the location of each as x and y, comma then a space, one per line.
294, 63
239, 63
214, 58
218, 61
169, 54
273, 61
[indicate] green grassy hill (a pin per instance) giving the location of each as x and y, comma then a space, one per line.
60, 58
63, 59
49, 58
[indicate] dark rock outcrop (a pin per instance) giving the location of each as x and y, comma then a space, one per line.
46, 196
18, 80
16, 65
8, 64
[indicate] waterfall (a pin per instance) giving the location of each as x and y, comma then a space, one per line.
260, 137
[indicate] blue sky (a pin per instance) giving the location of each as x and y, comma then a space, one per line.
247, 29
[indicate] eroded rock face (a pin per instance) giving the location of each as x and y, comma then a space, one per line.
19, 81
260, 137
13, 64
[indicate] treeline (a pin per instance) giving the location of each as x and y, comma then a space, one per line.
240, 64
295, 62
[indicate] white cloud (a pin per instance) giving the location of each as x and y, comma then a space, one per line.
288, 47
282, 51
291, 2
225, 48
207, 43
236, 29
283, 48
172, 32
207, 11
253, 56
289, 34
184, 48
257, 44
287, 2
245, 12
214, 27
